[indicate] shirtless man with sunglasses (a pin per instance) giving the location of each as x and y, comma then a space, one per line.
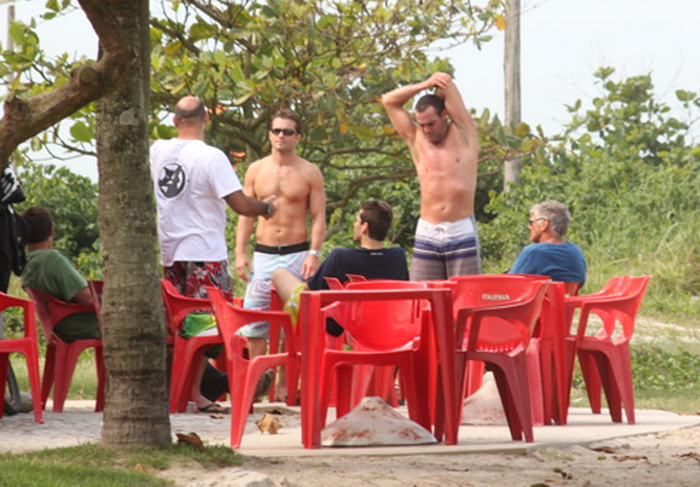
283, 241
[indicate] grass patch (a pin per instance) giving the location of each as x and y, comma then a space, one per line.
94, 465
663, 379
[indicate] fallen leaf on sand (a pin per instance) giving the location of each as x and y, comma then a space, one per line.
605, 449
269, 424
192, 439
630, 457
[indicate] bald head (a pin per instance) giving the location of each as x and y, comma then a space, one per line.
190, 118
190, 109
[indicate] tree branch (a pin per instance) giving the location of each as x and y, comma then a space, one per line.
24, 118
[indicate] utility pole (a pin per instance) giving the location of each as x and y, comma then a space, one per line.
511, 68
10, 18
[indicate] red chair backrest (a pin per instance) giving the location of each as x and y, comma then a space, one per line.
356, 278
488, 289
230, 318
96, 287
628, 302
51, 310
334, 283
511, 325
385, 325
7, 301
177, 306
491, 290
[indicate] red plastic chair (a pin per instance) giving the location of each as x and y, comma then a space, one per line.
485, 290
605, 356
499, 334
614, 287
27, 346
437, 332
384, 333
369, 380
61, 357
187, 353
548, 348
244, 373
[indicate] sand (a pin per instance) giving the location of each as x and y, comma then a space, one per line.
662, 449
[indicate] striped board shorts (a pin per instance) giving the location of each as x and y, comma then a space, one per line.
445, 249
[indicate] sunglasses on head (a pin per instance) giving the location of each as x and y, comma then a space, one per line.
287, 132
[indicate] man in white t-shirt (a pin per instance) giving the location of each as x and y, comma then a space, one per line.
193, 184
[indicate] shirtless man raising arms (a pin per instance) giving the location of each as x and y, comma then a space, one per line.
283, 240
445, 153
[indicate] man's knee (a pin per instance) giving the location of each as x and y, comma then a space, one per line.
257, 346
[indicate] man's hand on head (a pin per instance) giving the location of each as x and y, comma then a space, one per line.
440, 81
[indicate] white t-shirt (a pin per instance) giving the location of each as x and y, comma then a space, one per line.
191, 179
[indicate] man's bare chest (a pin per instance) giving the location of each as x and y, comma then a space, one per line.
290, 185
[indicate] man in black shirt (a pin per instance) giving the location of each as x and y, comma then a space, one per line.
371, 260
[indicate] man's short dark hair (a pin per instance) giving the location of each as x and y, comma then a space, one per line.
378, 215
198, 112
428, 101
39, 221
289, 115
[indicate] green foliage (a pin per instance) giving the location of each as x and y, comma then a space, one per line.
630, 180
330, 62
656, 371
72, 201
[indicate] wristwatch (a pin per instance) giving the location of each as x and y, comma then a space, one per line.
315, 253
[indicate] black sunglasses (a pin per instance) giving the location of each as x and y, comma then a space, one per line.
287, 132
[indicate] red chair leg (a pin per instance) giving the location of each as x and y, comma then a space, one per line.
49, 374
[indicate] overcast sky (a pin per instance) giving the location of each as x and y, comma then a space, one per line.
563, 43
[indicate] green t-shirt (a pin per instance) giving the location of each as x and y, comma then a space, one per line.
50, 272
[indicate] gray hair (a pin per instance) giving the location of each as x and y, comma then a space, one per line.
557, 214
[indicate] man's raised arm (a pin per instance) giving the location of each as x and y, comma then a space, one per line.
454, 105
400, 117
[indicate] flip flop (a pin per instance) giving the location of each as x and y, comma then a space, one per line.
214, 408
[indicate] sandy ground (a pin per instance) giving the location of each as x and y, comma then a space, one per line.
670, 458
624, 457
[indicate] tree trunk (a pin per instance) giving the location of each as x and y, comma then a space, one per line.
136, 402
512, 84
